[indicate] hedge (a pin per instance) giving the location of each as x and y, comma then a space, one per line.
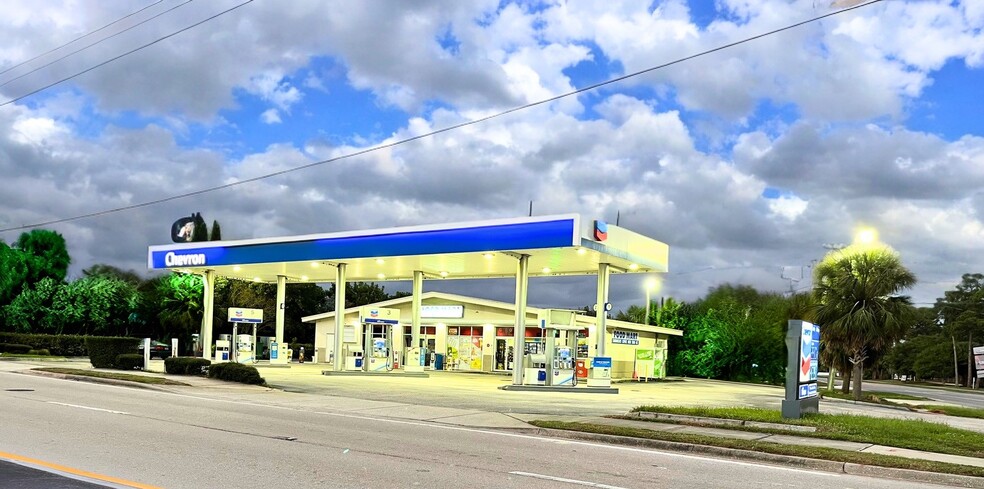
235, 372
130, 361
14, 348
186, 365
103, 350
41, 353
60, 345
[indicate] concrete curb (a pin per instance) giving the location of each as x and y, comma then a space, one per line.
802, 462
94, 380
681, 418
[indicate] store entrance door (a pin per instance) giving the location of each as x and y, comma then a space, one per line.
504, 350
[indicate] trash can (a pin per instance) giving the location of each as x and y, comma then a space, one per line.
438, 361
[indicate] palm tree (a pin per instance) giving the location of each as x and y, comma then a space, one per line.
857, 304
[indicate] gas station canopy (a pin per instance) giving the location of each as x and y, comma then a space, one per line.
556, 245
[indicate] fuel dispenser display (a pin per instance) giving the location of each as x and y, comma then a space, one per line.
377, 325
379, 353
244, 349
563, 367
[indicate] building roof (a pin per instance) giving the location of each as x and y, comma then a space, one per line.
508, 306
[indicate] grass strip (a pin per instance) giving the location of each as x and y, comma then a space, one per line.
913, 434
821, 453
143, 379
961, 411
928, 385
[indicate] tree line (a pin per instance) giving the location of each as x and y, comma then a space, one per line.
36, 297
868, 327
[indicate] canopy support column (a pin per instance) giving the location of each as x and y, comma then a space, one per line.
601, 309
281, 307
208, 312
519, 332
339, 361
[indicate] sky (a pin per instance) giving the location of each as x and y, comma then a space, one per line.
749, 162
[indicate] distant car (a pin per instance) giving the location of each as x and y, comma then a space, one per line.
158, 349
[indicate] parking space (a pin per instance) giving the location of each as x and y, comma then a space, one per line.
481, 392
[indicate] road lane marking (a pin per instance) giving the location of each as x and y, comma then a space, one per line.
86, 407
569, 481
69, 472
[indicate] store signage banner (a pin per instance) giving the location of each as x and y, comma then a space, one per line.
442, 311
620, 337
979, 361
242, 315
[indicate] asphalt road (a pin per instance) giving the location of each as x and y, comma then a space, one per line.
968, 398
286, 440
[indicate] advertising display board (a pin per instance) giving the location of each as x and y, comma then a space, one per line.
809, 364
803, 354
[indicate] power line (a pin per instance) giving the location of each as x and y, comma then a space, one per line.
100, 41
110, 60
83, 36
420, 136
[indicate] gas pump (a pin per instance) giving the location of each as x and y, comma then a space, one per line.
563, 367
244, 349
561, 345
378, 350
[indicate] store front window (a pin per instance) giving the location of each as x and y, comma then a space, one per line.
464, 348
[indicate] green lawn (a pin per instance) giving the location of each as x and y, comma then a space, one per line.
143, 379
963, 412
775, 448
902, 433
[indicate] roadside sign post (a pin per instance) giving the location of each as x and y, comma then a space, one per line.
979, 363
803, 350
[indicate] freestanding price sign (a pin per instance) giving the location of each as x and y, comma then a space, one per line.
803, 353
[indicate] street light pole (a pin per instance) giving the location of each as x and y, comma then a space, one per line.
647, 306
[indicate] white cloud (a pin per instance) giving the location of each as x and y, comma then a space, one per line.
270, 116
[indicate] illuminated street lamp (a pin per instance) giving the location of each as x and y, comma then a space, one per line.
651, 284
866, 236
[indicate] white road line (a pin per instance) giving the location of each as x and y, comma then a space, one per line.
86, 407
569, 481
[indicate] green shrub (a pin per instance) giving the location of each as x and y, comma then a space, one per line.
186, 365
61, 345
103, 350
14, 348
129, 361
41, 353
235, 372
